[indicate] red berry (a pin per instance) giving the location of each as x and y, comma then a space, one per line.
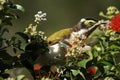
37, 67
115, 23
92, 70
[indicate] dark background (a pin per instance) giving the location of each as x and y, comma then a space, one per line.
60, 13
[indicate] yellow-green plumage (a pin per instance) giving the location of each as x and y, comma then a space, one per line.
59, 35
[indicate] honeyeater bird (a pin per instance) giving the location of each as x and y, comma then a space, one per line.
83, 25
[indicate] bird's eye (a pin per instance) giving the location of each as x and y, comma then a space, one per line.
91, 23
50, 42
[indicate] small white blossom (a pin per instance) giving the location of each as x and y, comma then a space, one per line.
40, 16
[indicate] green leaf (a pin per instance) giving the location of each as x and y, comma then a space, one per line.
11, 16
83, 63
19, 7
106, 63
75, 72
82, 75
114, 46
24, 36
22, 46
97, 74
5, 55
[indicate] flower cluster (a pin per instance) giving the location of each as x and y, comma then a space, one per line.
31, 30
33, 34
40, 16
111, 11
1, 4
115, 23
113, 17
77, 46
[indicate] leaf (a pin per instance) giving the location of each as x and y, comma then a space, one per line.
5, 55
13, 39
19, 7
106, 63
24, 36
97, 74
114, 46
5, 30
75, 72
83, 63
11, 16
22, 46
82, 75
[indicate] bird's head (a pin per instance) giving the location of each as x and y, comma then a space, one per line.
84, 23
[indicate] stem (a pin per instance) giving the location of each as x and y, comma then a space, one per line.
39, 75
7, 47
114, 60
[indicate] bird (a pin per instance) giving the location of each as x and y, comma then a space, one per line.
59, 35
81, 27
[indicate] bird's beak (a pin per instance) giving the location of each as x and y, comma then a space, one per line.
93, 28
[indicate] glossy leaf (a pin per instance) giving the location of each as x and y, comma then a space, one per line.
75, 72
83, 63
5, 55
24, 36
17, 6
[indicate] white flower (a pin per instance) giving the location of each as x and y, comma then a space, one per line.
40, 16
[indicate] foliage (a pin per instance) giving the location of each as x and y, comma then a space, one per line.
71, 57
